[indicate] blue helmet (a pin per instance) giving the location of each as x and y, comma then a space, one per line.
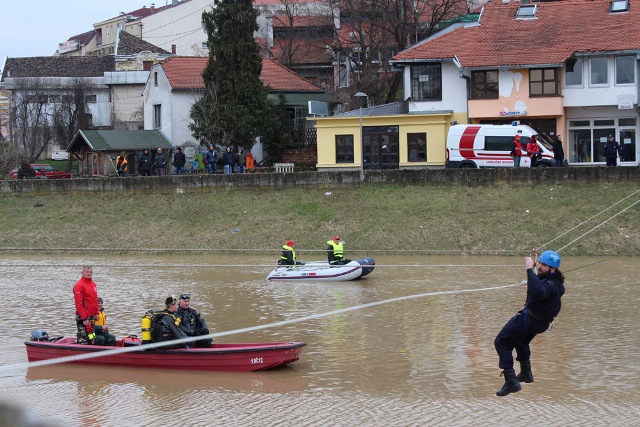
551, 258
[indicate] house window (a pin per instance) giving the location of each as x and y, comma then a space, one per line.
67, 99
344, 148
573, 72
426, 82
619, 6
205, 45
155, 78
527, 11
484, 84
157, 116
625, 69
417, 147
90, 99
599, 71
543, 81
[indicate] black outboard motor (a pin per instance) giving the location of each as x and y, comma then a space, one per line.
366, 261
39, 336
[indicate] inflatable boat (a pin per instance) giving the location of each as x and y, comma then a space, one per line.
319, 271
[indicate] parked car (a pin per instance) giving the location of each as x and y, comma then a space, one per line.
42, 171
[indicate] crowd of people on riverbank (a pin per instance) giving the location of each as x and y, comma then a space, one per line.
233, 160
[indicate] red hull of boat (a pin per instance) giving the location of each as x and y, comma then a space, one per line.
239, 357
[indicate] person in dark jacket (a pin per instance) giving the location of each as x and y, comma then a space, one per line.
165, 325
26, 171
160, 163
179, 160
211, 160
241, 160
558, 151
612, 151
191, 323
144, 163
229, 160
544, 293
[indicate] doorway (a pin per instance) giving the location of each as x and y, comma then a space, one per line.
381, 147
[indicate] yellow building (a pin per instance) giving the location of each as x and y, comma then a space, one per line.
391, 138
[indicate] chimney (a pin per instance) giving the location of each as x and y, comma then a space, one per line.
173, 49
153, 8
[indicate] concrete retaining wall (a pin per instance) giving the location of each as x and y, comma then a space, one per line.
326, 179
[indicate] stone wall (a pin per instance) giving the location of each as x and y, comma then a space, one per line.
326, 179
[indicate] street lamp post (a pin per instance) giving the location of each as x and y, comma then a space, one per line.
361, 95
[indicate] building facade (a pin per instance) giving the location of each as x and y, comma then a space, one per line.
579, 81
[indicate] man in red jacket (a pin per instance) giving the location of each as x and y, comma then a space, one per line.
85, 294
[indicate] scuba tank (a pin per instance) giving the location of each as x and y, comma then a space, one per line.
146, 327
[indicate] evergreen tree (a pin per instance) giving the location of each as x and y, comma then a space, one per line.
234, 108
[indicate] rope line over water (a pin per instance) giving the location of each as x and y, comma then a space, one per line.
67, 359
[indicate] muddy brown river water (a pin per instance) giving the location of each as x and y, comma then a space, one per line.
425, 358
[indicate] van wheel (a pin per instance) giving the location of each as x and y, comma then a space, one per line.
542, 165
467, 166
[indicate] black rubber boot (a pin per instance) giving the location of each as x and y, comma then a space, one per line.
511, 383
525, 375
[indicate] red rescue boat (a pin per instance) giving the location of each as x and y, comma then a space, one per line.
238, 357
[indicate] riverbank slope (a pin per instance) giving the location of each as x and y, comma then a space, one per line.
582, 219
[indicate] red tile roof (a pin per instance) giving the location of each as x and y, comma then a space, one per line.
186, 73
561, 28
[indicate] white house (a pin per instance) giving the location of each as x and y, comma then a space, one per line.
175, 84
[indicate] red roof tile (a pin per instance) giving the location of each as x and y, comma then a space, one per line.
186, 73
561, 28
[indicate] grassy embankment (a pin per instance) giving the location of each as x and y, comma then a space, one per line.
426, 218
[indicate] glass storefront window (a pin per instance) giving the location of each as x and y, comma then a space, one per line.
587, 138
580, 146
628, 144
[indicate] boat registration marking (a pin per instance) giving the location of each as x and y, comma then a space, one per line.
256, 360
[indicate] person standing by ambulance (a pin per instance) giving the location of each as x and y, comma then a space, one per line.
544, 293
516, 151
533, 151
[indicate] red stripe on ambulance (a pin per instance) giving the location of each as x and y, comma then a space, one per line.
466, 142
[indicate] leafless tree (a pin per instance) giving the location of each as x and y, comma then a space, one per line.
44, 114
366, 34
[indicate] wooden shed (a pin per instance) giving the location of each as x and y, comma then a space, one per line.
97, 149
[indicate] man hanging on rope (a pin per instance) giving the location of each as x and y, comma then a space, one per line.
544, 293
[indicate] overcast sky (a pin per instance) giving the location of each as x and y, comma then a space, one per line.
35, 27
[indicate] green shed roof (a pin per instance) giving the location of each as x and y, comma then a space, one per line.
116, 140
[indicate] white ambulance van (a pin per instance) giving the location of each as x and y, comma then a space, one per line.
489, 146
